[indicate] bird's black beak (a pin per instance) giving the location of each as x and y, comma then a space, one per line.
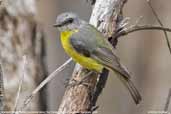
57, 25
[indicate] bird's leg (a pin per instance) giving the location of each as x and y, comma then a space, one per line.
86, 77
82, 81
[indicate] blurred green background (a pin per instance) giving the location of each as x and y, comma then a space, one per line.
145, 54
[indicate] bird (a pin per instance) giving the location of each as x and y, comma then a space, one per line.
88, 47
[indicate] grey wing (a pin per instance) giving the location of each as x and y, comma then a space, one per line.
106, 57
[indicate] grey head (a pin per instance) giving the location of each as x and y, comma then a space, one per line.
68, 21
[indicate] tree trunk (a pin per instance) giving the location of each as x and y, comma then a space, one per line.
106, 15
20, 35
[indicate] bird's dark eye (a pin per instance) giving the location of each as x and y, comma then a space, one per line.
67, 21
70, 20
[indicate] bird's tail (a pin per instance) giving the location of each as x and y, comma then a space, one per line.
132, 89
124, 76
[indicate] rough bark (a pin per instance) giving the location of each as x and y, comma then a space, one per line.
81, 98
20, 35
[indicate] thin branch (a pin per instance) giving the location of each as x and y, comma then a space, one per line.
20, 84
1, 90
161, 24
167, 101
139, 28
44, 82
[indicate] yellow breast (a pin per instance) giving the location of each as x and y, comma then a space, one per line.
86, 62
